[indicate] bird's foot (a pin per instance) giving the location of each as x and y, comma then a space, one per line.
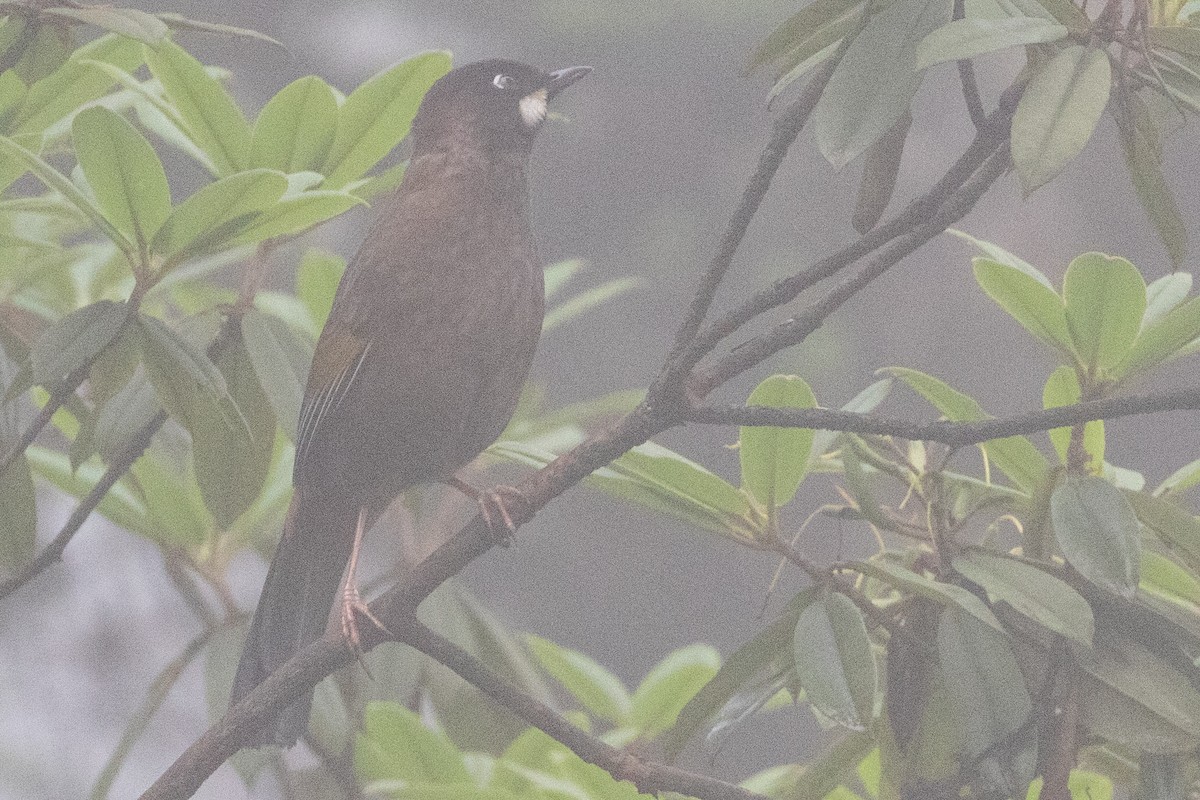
352, 608
503, 508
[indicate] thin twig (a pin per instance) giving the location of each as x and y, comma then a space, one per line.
824, 576
33, 429
160, 687
787, 128
795, 330
53, 551
966, 76
954, 434
649, 777
921, 212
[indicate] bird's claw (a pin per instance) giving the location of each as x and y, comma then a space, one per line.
353, 606
501, 515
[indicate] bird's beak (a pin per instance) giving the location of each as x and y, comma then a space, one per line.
562, 78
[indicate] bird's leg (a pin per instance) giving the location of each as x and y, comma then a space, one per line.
352, 602
500, 513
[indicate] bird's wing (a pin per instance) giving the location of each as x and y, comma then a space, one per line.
336, 364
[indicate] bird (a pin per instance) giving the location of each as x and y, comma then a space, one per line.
421, 360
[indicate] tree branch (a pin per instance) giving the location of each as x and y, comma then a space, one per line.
795, 330
912, 226
649, 777
53, 551
953, 434
787, 128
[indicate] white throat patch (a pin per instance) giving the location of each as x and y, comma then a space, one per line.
533, 108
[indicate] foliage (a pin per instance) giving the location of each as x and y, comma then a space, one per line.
1045, 577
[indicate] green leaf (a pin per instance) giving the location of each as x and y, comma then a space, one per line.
748, 661
172, 500
967, 38
179, 370
180, 22
669, 685
231, 462
1058, 112
1033, 592
599, 691
1181, 39
74, 341
75, 84
45, 53
124, 172
1035, 305
281, 361
819, 778
558, 274
1141, 143
395, 746
988, 694
296, 128
574, 306
1164, 295
1180, 480
1098, 532
316, 283
129, 22
1137, 700
946, 594
378, 114
834, 661
1162, 576
1015, 456
214, 121
658, 478
126, 415
295, 215
1162, 339
61, 184
1171, 523
1106, 298
213, 216
796, 33
997, 253
876, 79
775, 460
1062, 389
18, 515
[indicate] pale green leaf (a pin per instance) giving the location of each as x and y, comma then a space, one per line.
967, 38
214, 121
378, 114
834, 661
124, 172
775, 460
296, 128
1033, 592
1058, 112
1105, 299
1097, 530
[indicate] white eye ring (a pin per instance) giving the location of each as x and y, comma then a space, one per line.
502, 81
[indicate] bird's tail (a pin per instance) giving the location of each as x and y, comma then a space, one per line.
294, 607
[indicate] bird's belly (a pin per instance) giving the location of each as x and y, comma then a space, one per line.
429, 398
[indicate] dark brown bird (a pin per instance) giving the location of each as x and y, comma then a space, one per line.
423, 356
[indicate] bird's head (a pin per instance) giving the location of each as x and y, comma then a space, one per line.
501, 103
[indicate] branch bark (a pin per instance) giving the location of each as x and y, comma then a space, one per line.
953, 434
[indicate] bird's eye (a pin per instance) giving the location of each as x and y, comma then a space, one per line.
502, 81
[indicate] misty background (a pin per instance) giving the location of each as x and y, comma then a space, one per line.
638, 181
